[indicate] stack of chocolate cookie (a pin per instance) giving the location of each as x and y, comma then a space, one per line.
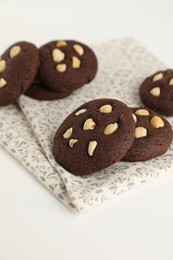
52, 72
101, 132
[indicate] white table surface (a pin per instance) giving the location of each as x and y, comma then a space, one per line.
33, 224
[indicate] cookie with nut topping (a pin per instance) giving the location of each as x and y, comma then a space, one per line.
96, 135
156, 92
66, 65
153, 135
18, 67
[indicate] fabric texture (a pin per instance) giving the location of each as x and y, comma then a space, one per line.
27, 129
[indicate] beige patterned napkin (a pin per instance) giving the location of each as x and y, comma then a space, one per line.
27, 129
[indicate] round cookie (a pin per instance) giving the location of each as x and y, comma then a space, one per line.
156, 92
18, 67
153, 135
94, 136
41, 92
66, 65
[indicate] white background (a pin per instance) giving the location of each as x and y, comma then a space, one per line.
33, 224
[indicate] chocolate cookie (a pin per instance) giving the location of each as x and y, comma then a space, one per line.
18, 67
41, 92
94, 136
156, 92
153, 135
66, 65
